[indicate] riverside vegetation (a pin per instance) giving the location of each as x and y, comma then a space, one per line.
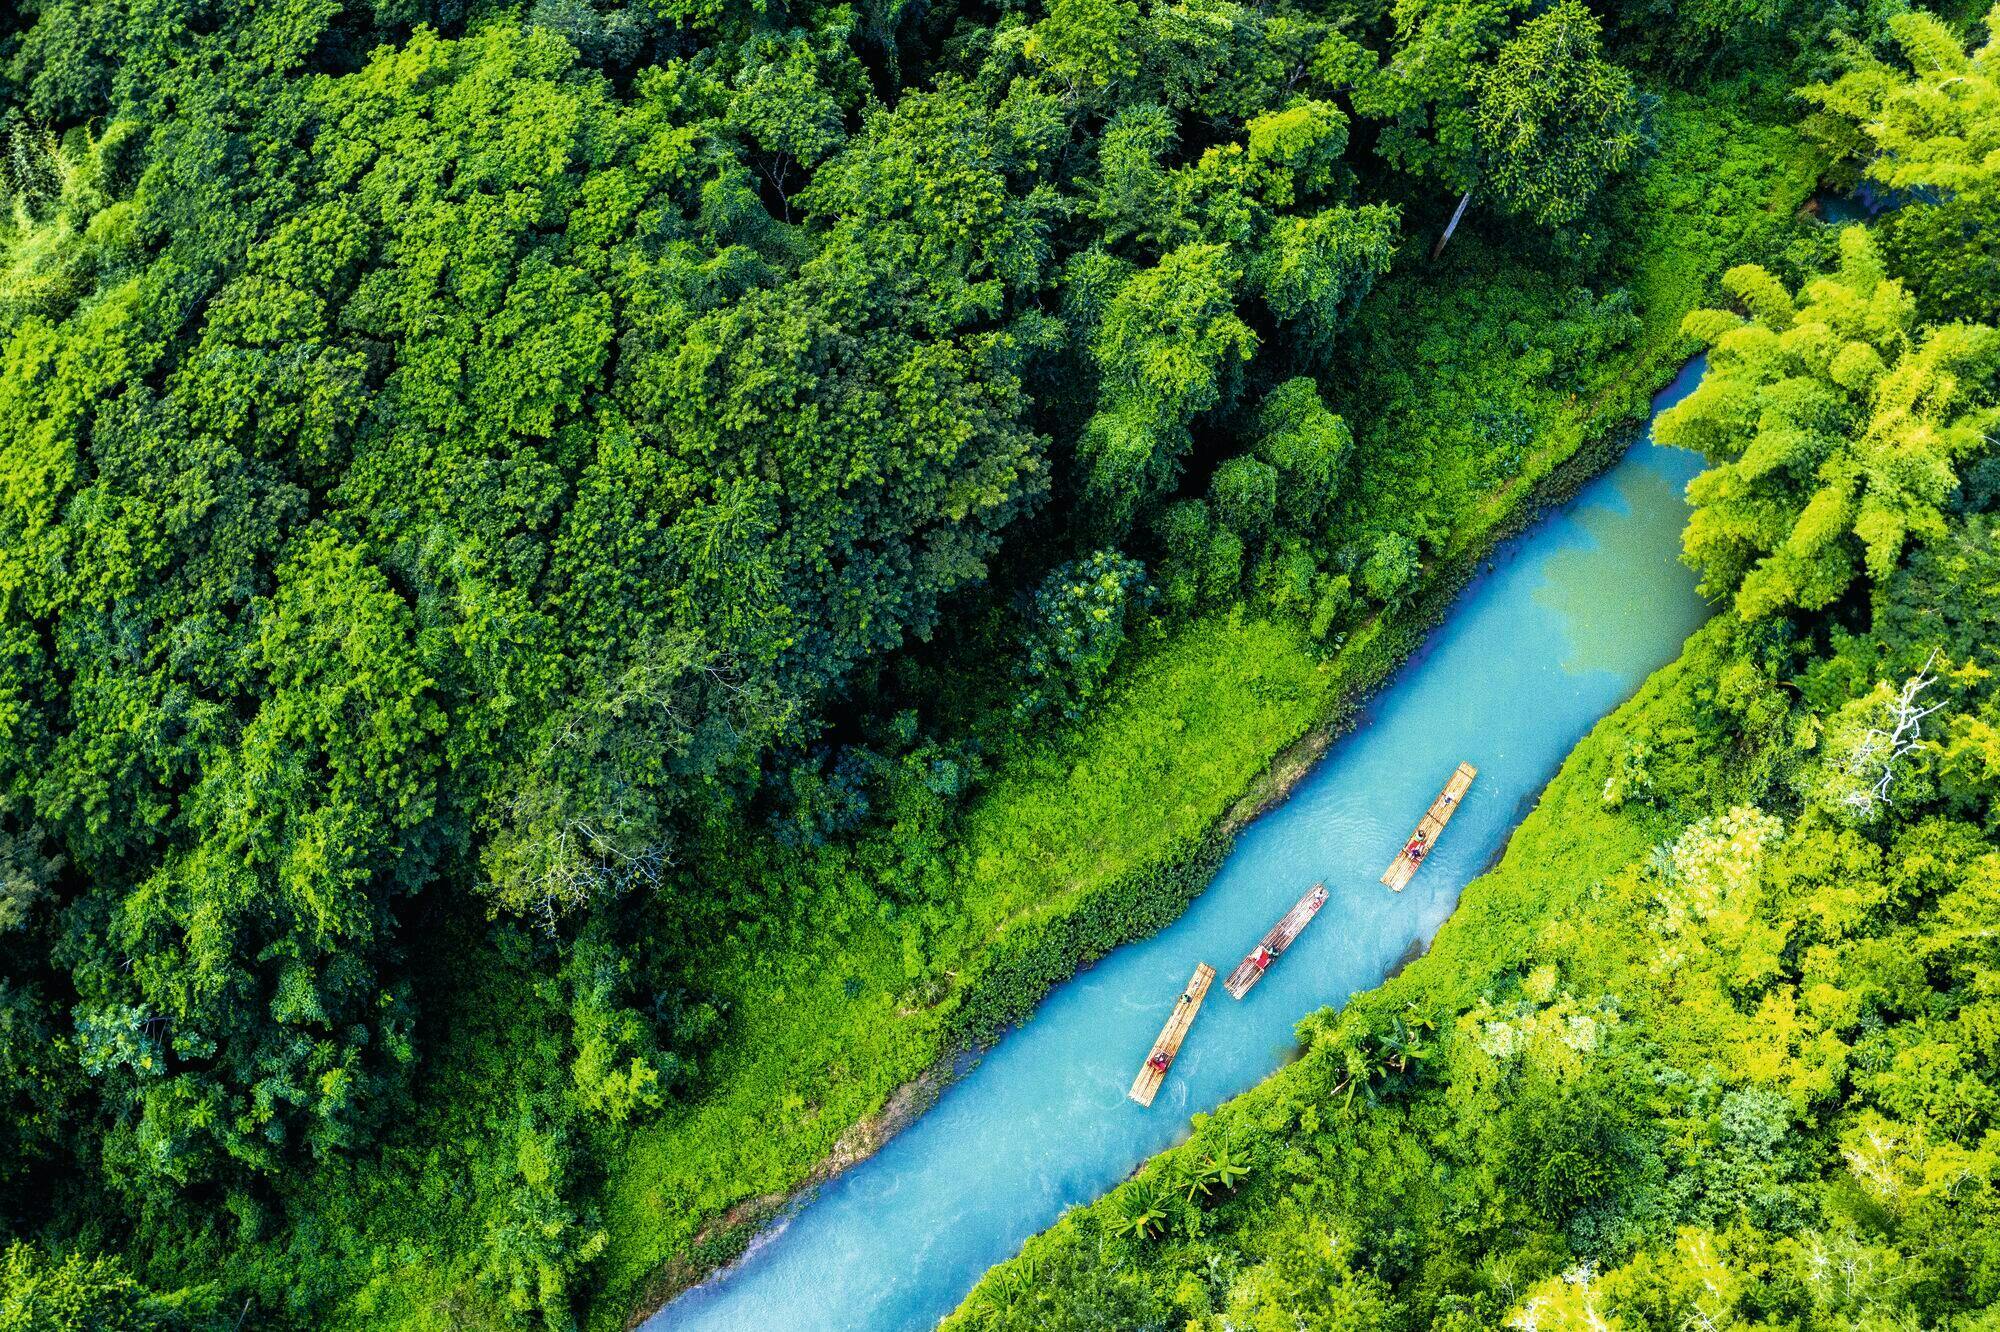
1714, 1046
587, 588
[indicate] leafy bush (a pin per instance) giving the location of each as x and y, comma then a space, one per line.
1076, 626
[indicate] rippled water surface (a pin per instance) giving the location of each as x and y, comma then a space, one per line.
1564, 625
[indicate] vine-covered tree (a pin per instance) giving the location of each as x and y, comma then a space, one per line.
1076, 625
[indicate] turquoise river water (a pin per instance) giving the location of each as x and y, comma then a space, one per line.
1563, 625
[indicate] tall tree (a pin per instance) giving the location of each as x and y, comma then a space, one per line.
1171, 347
1533, 112
1555, 118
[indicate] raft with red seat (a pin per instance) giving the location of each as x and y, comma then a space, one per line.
1404, 867
1259, 959
1161, 1058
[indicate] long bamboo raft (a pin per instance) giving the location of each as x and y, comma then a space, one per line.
1251, 969
1425, 837
1147, 1085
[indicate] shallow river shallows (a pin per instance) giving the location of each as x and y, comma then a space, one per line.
1563, 625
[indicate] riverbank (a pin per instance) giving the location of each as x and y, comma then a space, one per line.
1042, 1123
1068, 855
1527, 910
1649, 1074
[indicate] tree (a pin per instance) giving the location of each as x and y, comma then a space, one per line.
1221, 1169
1533, 113
1871, 743
1169, 348
42, 1109
607, 36
1086, 44
344, 562
1311, 1279
1313, 271
68, 224
1183, 530
1566, 1146
1131, 196
791, 100
1925, 608
1930, 133
1390, 568
1422, 94
1555, 119
1834, 426
1297, 149
1075, 628
76, 1294
1308, 446
1245, 494
40, 1293
937, 195
1221, 573
28, 869
537, 1241
1210, 57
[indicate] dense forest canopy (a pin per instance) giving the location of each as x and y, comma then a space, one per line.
548, 483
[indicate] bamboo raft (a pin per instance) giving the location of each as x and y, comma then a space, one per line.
1251, 969
1404, 867
1147, 1085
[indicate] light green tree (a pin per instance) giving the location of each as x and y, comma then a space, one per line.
1934, 127
1086, 44
1314, 269
1932, 130
1834, 425
1169, 347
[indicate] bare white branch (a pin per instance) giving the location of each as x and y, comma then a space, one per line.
1880, 750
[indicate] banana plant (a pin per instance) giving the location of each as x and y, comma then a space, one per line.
1220, 1170
1400, 1045
1198, 1179
1142, 1210
1008, 1291
1228, 1166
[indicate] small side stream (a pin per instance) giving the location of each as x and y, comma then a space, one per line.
1565, 623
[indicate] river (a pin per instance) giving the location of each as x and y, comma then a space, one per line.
1562, 626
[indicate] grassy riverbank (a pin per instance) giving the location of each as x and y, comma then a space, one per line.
1697, 1052
1546, 894
821, 1036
